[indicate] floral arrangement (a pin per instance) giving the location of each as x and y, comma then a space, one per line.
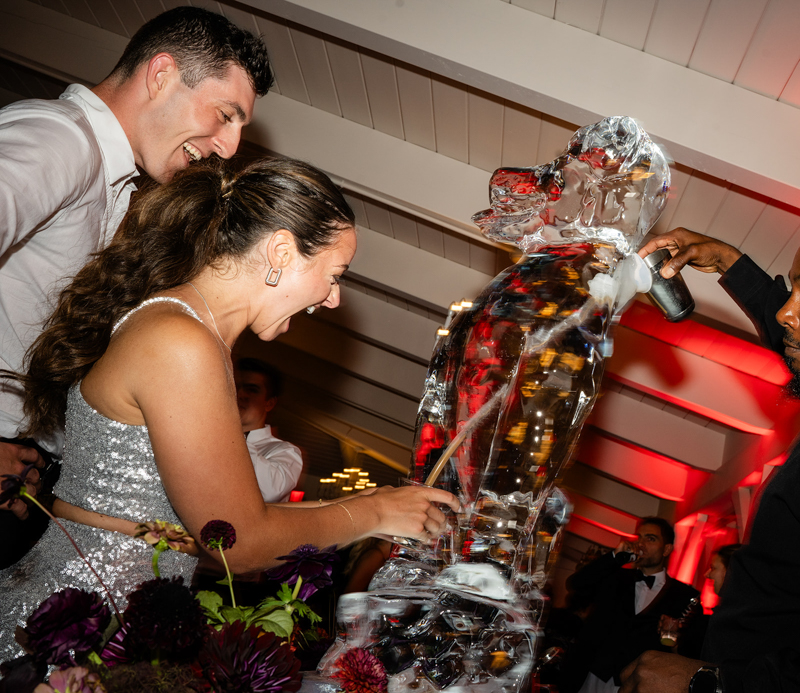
169, 637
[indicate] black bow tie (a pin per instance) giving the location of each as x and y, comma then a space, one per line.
649, 580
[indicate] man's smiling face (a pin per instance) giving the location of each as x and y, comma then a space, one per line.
189, 124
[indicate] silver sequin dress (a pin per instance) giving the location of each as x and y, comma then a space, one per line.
109, 468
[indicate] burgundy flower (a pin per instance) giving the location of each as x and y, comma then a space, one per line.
13, 484
75, 680
309, 563
217, 535
360, 671
71, 619
239, 658
175, 537
163, 620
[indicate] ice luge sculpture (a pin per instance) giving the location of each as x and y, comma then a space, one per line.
507, 392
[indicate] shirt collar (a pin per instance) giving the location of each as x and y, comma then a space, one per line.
259, 433
113, 142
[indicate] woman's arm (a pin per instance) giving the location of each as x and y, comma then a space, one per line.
173, 371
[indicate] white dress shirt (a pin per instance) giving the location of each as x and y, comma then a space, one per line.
65, 184
645, 594
278, 464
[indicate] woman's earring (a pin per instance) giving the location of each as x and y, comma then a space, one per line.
273, 279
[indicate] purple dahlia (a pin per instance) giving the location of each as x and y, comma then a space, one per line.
240, 658
68, 620
163, 621
315, 566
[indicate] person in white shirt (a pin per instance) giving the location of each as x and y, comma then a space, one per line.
183, 89
278, 463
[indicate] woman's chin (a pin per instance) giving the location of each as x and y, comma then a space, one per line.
270, 333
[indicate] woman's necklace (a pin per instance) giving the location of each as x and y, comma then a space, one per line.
213, 322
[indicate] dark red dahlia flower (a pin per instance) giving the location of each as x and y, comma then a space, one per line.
163, 620
70, 619
360, 671
315, 566
239, 658
217, 535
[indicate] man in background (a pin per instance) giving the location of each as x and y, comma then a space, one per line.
278, 463
628, 605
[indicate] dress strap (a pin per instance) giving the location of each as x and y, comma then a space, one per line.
149, 301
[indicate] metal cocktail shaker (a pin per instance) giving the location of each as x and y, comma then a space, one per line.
671, 296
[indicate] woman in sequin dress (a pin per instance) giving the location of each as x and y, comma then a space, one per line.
136, 361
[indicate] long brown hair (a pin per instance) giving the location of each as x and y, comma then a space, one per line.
207, 214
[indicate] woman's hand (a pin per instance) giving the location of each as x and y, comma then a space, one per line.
410, 511
689, 248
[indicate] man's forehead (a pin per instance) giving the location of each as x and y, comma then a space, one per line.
250, 378
795, 273
647, 529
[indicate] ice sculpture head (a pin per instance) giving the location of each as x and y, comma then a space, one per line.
610, 184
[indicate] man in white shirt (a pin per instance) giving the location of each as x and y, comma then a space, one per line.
182, 90
278, 463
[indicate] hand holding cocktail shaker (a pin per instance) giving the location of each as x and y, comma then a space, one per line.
671, 296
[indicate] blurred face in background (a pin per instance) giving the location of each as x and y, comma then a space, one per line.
717, 572
254, 399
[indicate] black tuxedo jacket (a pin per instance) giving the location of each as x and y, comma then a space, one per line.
614, 635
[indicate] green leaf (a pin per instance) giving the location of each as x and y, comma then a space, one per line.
278, 622
210, 603
226, 581
237, 613
270, 604
285, 594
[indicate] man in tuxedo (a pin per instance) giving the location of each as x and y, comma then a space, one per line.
628, 603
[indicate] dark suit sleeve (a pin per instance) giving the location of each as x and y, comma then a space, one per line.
776, 672
759, 296
589, 579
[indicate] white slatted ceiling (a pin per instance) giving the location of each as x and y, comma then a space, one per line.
674, 29
773, 50
627, 21
81, 10
584, 14
725, 36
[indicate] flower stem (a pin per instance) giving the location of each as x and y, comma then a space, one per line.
297, 585
156, 571
25, 494
228, 573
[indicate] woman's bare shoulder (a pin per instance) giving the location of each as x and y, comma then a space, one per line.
158, 348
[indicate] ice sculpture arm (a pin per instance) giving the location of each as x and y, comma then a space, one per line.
689, 248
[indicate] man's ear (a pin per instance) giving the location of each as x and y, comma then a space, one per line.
270, 404
161, 69
668, 549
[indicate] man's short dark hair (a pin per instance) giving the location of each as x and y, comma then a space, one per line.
272, 376
204, 44
667, 533
726, 552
